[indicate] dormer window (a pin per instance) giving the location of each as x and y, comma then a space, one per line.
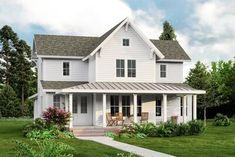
125, 42
66, 68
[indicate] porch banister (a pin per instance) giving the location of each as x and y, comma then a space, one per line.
184, 109
164, 107
104, 110
71, 110
135, 107
194, 107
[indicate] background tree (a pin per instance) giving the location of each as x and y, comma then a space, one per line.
16, 68
9, 103
168, 32
199, 78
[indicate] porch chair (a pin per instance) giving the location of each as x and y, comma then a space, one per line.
119, 118
110, 120
144, 117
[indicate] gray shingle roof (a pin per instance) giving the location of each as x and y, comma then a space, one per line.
171, 49
60, 84
60, 45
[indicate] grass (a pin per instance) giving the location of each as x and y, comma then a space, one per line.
10, 130
214, 142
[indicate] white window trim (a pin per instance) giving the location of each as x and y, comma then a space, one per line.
120, 68
123, 42
160, 71
131, 68
63, 68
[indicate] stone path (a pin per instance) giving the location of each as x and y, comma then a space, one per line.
143, 152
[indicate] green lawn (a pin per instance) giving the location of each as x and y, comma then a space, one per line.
215, 142
10, 130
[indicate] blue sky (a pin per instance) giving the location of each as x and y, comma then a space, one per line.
205, 28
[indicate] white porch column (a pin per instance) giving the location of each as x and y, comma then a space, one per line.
66, 102
164, 108
104, 110
71, 110
194, 107
135, 107
184, 109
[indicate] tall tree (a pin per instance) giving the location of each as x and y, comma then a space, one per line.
168, 32
199, 78
8, 40
16, 68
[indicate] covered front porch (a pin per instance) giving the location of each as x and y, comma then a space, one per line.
90, 105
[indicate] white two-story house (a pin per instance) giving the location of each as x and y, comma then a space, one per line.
120, 71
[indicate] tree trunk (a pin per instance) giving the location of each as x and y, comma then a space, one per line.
22, 101
204, 115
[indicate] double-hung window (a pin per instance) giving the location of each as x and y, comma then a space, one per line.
158, 107
56, 101
131, 68
120, 68
114, 103
162, 70
83, 104
66, 68
139, 106
126, 106
75, 105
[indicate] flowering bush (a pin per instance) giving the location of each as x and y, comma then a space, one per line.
56, 116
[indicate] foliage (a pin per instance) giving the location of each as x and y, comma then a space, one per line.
221, 120
46, 149
15, 66
167, 129
110, 134
39, 124
9, 104
56, 116
196, 127
168, 32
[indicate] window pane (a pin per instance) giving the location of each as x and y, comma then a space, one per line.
65, 68
83, 104
181, 106
139, 104
158, 107
114, 103
126, 105
133, 63
122, 64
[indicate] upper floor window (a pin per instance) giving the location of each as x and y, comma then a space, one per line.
162, 70
125, 42
120, 68
131, 68
66, 68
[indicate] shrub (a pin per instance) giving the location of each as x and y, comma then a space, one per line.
221, 120
196, 127
166, 129
45, 148
182, 129
56, 116
39, 124
144, 128
110, 134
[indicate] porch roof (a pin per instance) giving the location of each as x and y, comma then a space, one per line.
132, 87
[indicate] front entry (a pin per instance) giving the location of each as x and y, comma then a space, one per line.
82, 110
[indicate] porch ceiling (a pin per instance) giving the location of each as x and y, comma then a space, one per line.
132, 87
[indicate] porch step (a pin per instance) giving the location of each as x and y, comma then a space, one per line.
94, 131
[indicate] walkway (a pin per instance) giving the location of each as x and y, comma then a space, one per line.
143, 152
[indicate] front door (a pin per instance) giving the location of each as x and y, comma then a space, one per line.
82, 110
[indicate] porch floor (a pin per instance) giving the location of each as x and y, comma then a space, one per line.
94, 130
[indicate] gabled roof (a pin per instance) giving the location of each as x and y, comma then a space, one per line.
132, 87
83, 46
171, 49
